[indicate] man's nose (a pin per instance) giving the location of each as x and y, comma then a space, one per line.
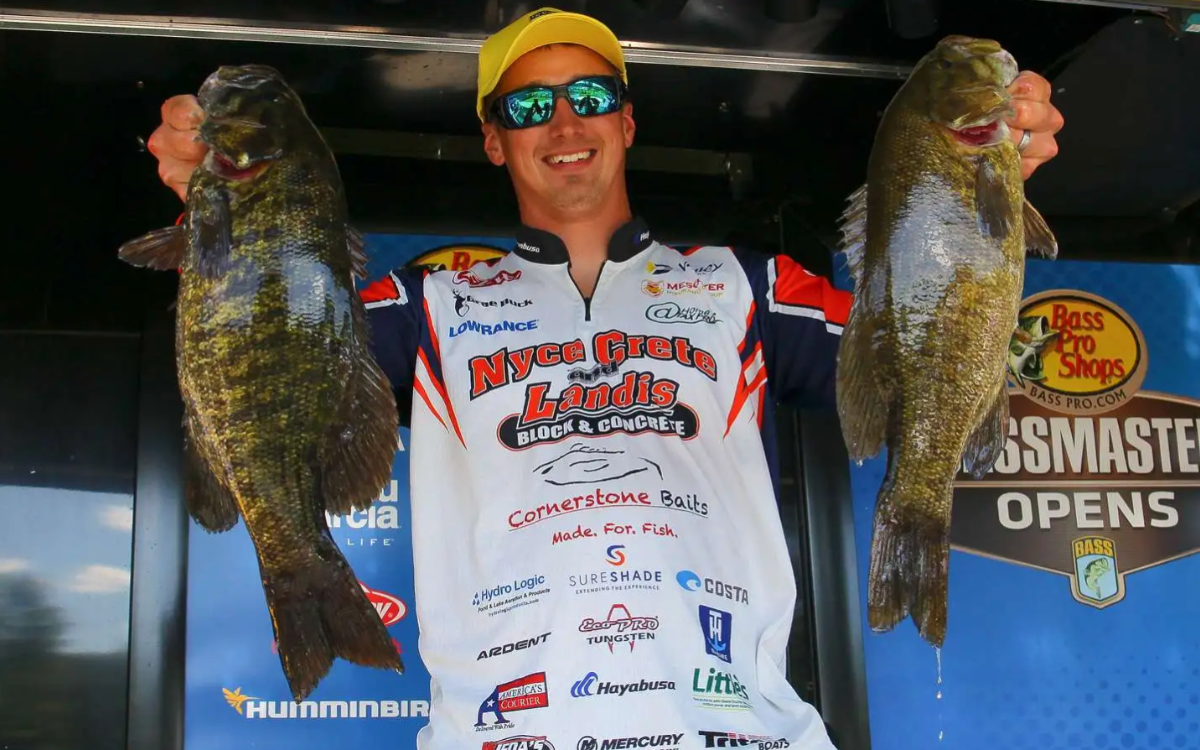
564, 121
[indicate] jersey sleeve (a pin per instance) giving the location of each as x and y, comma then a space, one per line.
396, 313
796, 318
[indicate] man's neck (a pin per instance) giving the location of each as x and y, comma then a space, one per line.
586, 238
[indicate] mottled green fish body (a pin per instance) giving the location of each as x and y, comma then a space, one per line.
936, 242
287, 415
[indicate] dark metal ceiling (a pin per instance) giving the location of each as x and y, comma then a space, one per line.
740, 117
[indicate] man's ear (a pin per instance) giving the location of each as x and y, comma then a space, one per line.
627, 123
491, 144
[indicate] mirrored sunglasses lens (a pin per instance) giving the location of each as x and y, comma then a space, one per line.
593, 97
529, 107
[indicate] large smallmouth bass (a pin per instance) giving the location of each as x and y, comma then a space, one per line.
286, 413
935, 242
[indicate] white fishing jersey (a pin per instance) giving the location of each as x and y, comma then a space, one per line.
599, 559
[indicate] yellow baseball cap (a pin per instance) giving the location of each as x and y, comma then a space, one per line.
537, 29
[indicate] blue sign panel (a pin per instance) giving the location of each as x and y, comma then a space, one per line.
236, 695
1071, 599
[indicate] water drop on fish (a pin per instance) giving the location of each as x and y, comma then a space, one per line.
858, 462
939, 695
941, 735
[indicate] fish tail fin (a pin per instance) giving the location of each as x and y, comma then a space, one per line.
321, 613
909, 570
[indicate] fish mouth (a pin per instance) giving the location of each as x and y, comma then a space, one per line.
981, 135
229, 169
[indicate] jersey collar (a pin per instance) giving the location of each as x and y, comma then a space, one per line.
540, 246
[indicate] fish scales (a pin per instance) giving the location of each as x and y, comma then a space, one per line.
936, 243
287, 415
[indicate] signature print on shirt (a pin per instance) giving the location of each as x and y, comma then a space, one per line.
581, 464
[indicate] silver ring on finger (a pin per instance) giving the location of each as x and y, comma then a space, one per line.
1026, 137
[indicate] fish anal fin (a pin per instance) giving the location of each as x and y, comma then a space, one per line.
854, 231
1039, 240
861, 403
357, 461
207, 501
987, 442
992, 201
214, 227
161, 250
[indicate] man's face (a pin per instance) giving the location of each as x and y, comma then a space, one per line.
572, 188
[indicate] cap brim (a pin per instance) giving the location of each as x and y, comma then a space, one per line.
559, 28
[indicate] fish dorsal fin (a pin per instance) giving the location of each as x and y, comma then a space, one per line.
854, 231
357, 245
1039, 240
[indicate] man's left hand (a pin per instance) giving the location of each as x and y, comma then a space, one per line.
1034, 112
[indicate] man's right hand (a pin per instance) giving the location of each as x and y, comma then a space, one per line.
176, 142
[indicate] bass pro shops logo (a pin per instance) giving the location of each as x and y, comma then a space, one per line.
634, 404
1098, 479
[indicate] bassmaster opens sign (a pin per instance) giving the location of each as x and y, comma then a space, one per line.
1098, 479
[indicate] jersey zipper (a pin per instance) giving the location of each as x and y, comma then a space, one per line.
587, 301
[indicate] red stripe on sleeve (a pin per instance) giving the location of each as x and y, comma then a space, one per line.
796, 286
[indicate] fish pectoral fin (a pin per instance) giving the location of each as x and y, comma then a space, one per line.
357, 245
986, 443
854, 231
162, 249
993, 202
214, 227
862, 407
206, 499
1039, 240
357, 463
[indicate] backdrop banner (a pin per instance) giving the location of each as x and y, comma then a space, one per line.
1071, 615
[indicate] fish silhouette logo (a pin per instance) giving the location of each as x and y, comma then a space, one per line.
1098, 580
236, 699
615, 556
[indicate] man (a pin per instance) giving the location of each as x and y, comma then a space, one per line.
592, 454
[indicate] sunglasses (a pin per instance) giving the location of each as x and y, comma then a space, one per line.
534, 105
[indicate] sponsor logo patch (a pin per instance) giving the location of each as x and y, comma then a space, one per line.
716, 626
673, 312
508, 648
619, 627
522, 694
735, 739
690, 581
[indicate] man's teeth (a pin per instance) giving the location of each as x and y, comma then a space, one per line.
568, 158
